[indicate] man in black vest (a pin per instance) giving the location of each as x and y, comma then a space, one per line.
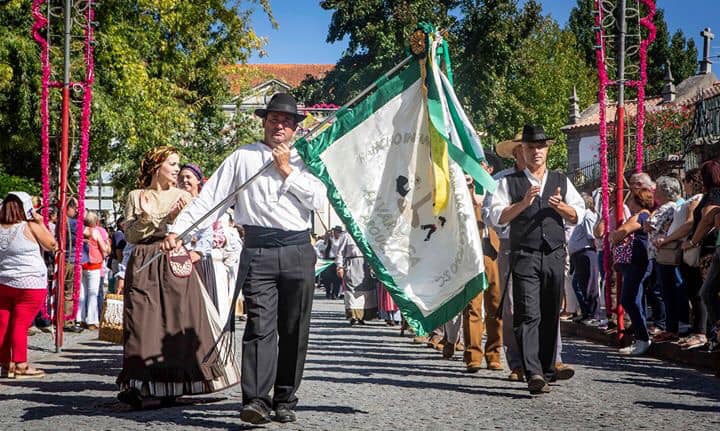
536, 204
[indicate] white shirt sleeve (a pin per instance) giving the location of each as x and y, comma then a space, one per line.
573, 198
498, 202
305, 187
218, 187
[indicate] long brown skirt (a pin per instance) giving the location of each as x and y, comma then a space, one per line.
173, 339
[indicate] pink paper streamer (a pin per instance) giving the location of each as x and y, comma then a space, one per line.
646, 22
39, 23
602, 101
84, 150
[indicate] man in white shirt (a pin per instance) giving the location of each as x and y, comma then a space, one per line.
536, 204
276, 271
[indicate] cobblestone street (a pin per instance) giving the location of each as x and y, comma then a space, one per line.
368, 377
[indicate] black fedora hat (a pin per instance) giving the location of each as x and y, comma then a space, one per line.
281, 102
531, 134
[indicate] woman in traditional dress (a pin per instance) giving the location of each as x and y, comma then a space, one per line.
360, 293
191, 179
387, 309
171, 329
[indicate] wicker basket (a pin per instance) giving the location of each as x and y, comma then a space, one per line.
111, 323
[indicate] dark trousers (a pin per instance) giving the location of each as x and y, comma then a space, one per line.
633, 275
654, 296
278, 290
331, 281
538, 279
676, 302
710, 290
584, 281
693, 282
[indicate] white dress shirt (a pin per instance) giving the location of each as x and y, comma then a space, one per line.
503, 232
269, 201
501, 198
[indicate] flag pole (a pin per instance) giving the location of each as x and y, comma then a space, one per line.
185, 234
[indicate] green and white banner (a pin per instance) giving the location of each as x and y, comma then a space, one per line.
376, 163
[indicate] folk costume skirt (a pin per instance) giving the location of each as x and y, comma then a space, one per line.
172, 332
360, 293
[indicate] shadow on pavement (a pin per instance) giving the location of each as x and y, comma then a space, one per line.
647, 372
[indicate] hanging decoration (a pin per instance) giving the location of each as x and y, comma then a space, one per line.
604, 15
86, 87
604, 82
647, 23
40, 23
43, 11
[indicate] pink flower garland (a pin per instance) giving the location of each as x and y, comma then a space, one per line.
84, 151
602, 94
647, 22
40, 22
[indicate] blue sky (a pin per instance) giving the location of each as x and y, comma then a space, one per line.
301, 35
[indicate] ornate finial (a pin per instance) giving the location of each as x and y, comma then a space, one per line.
418, 43
668, 91
574, 112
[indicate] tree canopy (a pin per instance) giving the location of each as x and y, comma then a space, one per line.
377, 33
158, 81
511, 65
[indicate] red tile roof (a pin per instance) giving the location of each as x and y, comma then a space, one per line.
591, 116
688, 92
245, 76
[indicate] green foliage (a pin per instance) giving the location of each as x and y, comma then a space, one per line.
665, 132
19, 89
309, 92
517, 67
581, 23
683, 56
158, 80
10, 183
549, 66
377, 33
490, 36
511, 65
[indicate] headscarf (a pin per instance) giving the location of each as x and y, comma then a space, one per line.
195, 169
152, 161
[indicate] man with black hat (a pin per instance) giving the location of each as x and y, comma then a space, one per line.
536, 204
276, 271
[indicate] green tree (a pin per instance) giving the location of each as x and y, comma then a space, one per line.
490, 36
309, 92
683, 56
377, 32
10, 183
158, 80
581, 23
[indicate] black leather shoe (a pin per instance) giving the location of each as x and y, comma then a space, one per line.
255, 413
131, 397
537, 385
74, 328
284, 414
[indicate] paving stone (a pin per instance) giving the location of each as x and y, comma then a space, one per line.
370, 378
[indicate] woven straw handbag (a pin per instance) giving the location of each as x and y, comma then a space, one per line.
111, 323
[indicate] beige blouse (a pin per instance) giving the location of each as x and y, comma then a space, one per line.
147, 213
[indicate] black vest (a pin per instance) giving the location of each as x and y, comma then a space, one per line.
539, 227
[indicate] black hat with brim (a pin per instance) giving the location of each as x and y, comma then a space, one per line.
534, 134
281, 102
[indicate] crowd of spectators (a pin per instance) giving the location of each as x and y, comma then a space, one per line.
666, 252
